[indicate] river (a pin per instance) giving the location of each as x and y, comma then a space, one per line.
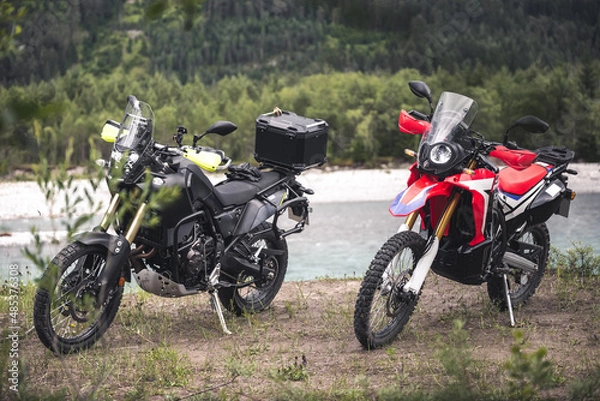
343, 237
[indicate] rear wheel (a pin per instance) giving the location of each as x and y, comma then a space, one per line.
67, 314
535, 246
270, 254
382, 308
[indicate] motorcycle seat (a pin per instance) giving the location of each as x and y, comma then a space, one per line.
238, 192
517, 182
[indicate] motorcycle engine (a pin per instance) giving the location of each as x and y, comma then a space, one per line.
196, 265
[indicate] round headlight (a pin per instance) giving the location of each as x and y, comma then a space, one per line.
440, 153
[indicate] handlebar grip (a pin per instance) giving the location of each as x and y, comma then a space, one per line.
418, 115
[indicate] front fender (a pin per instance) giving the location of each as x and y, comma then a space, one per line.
416, 195
118, 250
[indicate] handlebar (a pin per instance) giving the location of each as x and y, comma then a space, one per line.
167, 150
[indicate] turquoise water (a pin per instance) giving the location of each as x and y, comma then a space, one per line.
342, 238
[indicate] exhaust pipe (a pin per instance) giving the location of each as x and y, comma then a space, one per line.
519, 262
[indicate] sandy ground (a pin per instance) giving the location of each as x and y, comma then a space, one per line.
24, 200
315, 319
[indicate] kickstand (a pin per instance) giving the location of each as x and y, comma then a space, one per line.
216, 304
508, 301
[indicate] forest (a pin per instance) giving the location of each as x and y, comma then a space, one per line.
68, 65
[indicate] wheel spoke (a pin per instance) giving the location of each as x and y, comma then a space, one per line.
381, 312
392, 278
68, 316
269, 253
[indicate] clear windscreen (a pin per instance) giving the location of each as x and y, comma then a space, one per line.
132, 141
452, 118
136, 128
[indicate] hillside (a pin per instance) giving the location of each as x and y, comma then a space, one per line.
214, 38
69, 66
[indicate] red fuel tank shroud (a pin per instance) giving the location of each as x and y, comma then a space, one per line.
426, 188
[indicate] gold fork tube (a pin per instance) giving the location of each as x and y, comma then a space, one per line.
411, 218
136, 223
110, 212
445, 219
449, 212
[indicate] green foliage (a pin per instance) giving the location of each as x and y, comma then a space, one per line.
300, 36
345, 62
164, 367
65, 199
458, 363
10, 27
293, 372
577, 262
588, 388
527, 372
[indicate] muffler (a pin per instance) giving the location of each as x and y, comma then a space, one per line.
519, 262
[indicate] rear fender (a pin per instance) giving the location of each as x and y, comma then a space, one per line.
118, 250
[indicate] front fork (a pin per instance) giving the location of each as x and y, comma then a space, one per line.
118, 246
132, 232
417, 278
111, 212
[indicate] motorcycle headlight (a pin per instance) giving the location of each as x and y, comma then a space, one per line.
440, 153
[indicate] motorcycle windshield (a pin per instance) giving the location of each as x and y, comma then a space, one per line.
453, 116
136, 129
442, 148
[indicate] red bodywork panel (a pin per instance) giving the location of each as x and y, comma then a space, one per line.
518, 182
410, 125
423, 188
518, 159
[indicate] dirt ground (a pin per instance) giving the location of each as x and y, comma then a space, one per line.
312, 321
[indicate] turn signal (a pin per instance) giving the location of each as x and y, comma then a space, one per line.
468, 171
121, 281
573, 195
411, 153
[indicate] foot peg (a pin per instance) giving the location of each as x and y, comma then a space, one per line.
216, 305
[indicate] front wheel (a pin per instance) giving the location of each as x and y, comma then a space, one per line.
254, 292
382, 308
67, 314
522, 285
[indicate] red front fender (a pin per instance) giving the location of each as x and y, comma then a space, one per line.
418, 193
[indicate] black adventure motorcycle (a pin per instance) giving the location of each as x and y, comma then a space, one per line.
223, 239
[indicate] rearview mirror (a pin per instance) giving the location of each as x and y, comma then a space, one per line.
221, 128
531, 124
420, 89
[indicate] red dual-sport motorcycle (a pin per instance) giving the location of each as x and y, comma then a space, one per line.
469, 218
